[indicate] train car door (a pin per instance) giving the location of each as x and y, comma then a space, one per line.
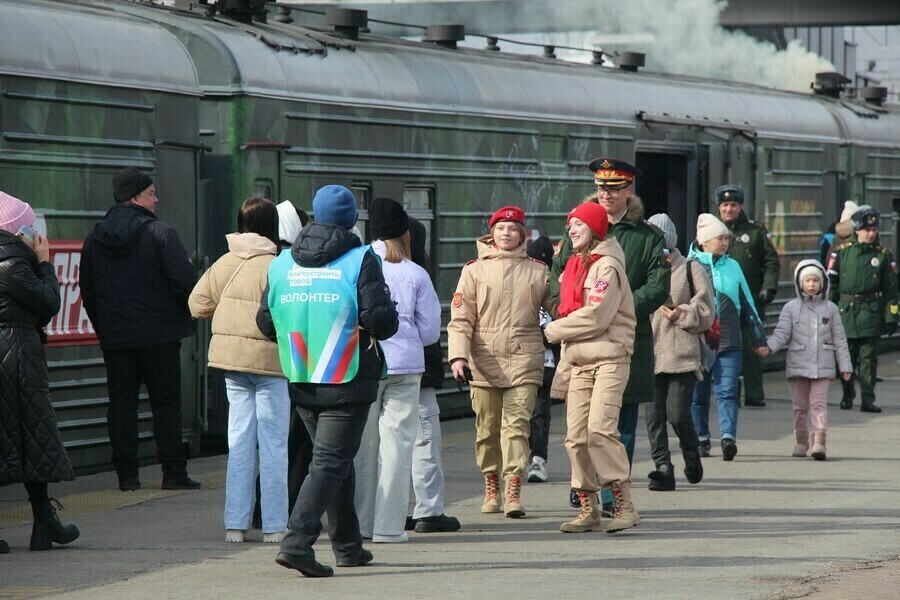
668, 184
178, 190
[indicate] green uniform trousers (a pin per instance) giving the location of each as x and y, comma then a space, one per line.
864, 354
751, 369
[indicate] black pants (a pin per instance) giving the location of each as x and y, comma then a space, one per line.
672, 397
330, 485
159, 368
540, 418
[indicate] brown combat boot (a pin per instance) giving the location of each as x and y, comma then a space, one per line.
587, 520
801, 444
491, 493
512, 505
818, 445
625, 516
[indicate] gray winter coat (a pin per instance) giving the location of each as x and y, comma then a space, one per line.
811, 329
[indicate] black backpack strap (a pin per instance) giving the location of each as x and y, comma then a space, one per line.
690, 276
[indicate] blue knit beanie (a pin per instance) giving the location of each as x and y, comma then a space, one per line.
335, 204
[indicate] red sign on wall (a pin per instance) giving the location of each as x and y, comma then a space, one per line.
71, 326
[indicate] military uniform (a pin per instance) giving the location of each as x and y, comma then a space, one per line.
752, 248
864, 286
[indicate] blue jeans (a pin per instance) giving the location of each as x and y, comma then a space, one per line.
628, 420
725, 372
259, 414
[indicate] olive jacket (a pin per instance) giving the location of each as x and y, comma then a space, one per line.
752, 248
863, 280
648, 267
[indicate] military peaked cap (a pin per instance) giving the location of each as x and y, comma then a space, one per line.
611, 171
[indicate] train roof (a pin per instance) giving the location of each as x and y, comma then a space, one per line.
215, 56
87, 43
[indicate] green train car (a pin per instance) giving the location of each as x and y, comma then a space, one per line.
218, 103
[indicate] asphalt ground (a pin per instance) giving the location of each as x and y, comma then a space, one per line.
764, 526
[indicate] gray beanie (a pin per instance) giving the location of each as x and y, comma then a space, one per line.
663, 221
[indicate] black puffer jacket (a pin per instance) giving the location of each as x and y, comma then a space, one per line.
30, 446
317, 245
135, 280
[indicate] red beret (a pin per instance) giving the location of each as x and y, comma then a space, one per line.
593, 215
508, 213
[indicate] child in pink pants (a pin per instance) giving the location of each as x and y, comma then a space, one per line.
811, 329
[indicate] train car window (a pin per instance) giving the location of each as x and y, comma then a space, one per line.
418, 199
262, 189
363, 193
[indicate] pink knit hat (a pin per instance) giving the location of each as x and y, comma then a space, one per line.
14, 213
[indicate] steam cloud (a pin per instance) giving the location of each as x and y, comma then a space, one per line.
684, 37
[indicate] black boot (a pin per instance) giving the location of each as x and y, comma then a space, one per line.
662, 479
869, 407
4, 547
846, 403
47, 527
693, 468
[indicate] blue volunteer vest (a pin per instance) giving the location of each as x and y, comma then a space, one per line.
316, 317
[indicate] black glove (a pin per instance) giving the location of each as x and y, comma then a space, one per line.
766, 296
891, 329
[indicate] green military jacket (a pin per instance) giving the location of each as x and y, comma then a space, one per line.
752, 248
649, 269
863, 283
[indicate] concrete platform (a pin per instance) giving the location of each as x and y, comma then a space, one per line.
764, 526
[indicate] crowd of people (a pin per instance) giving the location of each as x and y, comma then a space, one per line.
331, 354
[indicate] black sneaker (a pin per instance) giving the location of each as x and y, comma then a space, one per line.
410, 524
307, 565
185, 483
846, 403
704, 447
755, 402
693, 467
729, 449
129, 484
440, 523
662, 479
870, 407
365, 557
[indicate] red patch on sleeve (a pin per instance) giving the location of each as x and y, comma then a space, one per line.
457, 300
601, 286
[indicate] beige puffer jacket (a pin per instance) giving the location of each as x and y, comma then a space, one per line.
237, 343
676, 344
494, 317
601, 331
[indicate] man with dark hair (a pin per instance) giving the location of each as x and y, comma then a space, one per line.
135, 281
752, 248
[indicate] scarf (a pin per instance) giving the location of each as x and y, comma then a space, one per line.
571, 290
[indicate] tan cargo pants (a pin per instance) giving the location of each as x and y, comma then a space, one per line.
592, 414
502, 427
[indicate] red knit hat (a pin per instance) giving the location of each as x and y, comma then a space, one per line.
508, 213
593, 215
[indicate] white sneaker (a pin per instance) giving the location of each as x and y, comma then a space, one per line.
234, 536
273, 538
536, 472
390, 539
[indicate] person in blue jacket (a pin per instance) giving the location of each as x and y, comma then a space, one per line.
734, 310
